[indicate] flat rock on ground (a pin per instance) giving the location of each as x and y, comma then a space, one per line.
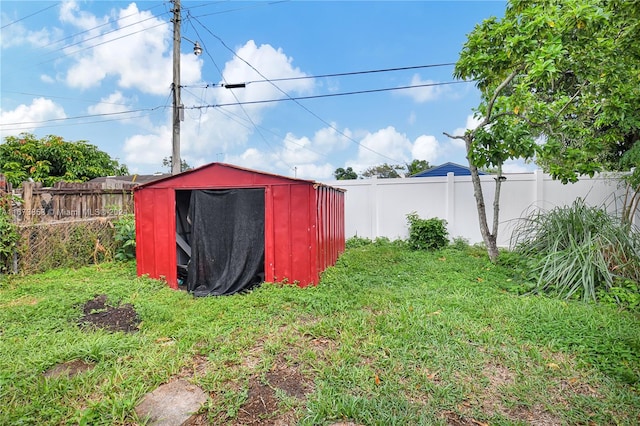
172, 404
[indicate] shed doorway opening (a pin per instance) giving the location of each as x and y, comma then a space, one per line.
220, 236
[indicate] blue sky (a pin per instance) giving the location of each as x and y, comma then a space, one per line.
101, 71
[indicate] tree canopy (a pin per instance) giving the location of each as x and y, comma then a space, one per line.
563, 71
168, 162
52, 159
559, 84
345, 174
417, 166
385, 171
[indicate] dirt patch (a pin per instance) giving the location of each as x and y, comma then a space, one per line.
98, 314
289, 381
261, 404
69, 369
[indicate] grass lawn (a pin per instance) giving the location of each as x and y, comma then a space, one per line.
389, 337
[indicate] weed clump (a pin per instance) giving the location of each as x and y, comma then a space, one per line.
427, 234
580, 251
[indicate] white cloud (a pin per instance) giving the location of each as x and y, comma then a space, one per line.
148, 149
298, 150
472, 123
135, 49
427, 93
41, 109
272, 64
113, 103
393, 145
426, 147
316, 172
17, 34
47, 79
223, 131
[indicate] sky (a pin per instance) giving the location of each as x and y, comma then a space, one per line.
327, 84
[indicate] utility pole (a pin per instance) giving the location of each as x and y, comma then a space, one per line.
176, 162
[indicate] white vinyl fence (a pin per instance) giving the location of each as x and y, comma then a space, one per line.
379, 207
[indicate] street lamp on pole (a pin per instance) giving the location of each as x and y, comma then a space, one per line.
178, 112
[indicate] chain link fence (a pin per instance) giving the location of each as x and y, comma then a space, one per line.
59, 244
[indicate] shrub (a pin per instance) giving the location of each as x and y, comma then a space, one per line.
427, 234
578, 250
125, 237
8, 240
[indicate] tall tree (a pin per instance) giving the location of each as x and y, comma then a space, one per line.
417, 166
52, 159
385, 171
562, 73
345, 174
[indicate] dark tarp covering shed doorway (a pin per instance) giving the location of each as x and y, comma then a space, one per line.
227, 241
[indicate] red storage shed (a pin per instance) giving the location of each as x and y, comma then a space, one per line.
220, 229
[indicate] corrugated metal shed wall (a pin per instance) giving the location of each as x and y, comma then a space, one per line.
304, 222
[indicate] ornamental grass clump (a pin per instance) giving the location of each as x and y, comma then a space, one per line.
578, 251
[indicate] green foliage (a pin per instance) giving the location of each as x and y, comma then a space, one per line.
624, 293
9, 238
417, 166
52, 159
125, 237
345, 174
385, 171
578, 251
427, 234
561, 70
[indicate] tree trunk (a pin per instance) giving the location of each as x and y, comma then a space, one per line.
490, 239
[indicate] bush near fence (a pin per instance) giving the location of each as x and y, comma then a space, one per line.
71, 243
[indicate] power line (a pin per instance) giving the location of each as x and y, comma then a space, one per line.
78, 117
259, 4
28, 16
109, 22
243, 109
245, 102
341, 74
78, 124
294, 100
328, 95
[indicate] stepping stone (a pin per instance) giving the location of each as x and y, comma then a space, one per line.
172, 404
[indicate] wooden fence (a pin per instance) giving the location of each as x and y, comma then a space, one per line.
70, 200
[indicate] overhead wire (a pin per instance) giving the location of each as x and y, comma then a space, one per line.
258, 4
241, 106
328, 95
340, 74
295, 100
28, 16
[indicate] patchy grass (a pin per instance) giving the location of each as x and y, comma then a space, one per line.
389, 337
